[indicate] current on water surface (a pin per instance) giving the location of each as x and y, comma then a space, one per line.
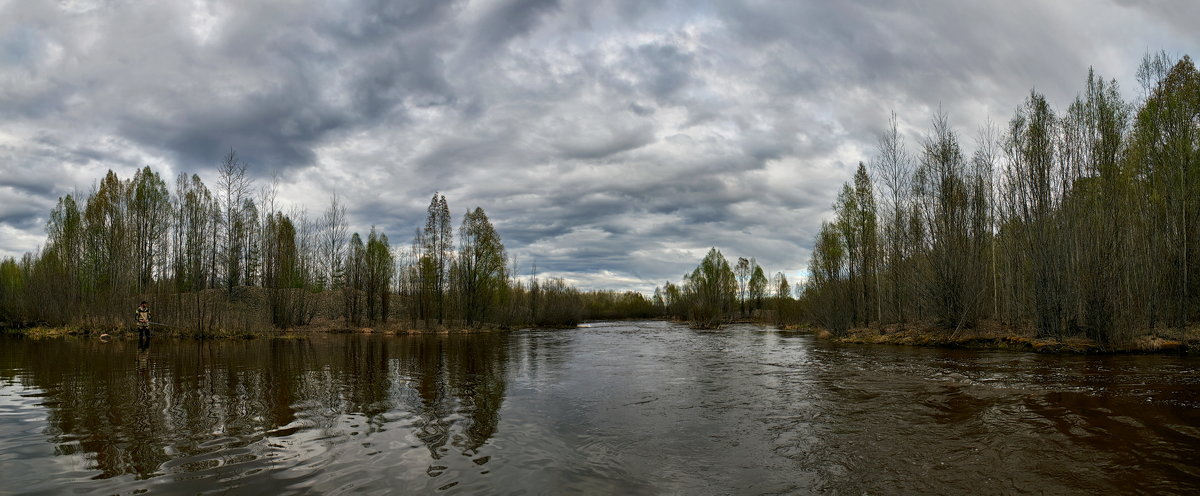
615, 408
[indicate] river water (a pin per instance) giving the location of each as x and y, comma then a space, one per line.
616, 408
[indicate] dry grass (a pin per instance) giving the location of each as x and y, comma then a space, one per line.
987, 335
48, 332
993, 335
318, 326
1155, 343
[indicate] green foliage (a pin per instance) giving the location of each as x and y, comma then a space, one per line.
282, 272
783, 290
827, 288
757, 288
149, 207
435, 244
12, 291
380, 268
557, 303
356, 278
607, 304
711, 291
226, 263
480, 270
1165, 152
1086, 227
674, 303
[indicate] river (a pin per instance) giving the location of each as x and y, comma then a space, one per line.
614, 408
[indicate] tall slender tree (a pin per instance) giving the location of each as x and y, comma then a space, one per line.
481, 267
437, 247
233, 187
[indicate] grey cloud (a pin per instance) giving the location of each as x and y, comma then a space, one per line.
277, 133
373, 20
26, 213
1179, 15
608, 142
25, 219
506, 20
664, 69
274, 90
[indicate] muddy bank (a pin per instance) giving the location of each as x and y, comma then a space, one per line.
44, 332
999, 337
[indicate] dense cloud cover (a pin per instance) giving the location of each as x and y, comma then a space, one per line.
612, 142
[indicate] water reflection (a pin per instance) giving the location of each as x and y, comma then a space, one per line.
127, 408
619, 408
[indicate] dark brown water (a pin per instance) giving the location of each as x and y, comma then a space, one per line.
618, 408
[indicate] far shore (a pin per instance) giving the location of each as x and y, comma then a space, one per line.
47, 332
999, 337
984, 337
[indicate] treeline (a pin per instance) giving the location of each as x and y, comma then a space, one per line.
1082, 222
229, 258
715, 293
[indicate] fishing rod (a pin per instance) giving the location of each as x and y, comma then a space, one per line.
106, 336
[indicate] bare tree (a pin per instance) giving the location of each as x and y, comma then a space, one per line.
232, 188
893, 167
332, 239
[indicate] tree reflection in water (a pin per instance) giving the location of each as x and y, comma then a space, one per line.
184, 406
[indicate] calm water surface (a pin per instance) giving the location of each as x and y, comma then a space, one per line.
617, 408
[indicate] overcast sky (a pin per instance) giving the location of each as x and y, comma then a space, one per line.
610, 142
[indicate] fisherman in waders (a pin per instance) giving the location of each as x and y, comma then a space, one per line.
143, 321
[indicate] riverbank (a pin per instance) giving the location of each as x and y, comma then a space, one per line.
324, 327
1000, 337
988, 336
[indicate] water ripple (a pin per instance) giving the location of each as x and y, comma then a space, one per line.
615, 408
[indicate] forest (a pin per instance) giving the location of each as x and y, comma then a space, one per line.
1083, 222
229, 260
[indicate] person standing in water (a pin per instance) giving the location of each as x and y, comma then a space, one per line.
143, 321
